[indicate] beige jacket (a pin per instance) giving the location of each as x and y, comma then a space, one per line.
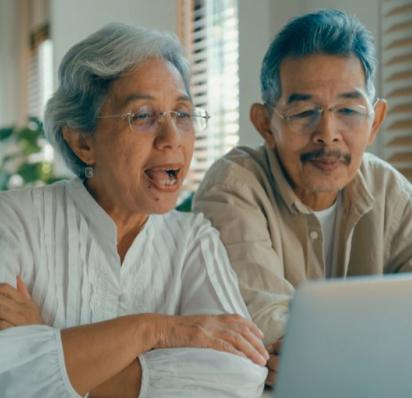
275, 242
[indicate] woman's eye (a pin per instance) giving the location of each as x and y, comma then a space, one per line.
142, 116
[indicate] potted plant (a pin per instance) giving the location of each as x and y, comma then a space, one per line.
26, 158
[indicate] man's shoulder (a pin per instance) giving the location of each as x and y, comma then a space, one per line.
237, 165
382, 178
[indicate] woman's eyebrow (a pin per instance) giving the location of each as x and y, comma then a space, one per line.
141, 96
135, 97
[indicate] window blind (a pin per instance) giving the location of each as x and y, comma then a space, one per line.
208, 30
40, 73
396, 53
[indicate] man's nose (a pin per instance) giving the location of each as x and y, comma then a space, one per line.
327, 129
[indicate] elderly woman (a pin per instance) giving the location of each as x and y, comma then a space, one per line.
120, 288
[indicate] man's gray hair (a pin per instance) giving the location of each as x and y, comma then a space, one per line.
87, 71
327, 31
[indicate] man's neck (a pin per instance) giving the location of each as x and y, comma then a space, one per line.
317, 200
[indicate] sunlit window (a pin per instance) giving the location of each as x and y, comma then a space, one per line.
209, 32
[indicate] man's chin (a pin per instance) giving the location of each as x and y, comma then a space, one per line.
327, 185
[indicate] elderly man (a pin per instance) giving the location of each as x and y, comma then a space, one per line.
310, 204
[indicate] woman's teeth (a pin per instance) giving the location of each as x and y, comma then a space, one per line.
165, 177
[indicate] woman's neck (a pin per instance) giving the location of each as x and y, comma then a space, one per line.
126, 233
128, 223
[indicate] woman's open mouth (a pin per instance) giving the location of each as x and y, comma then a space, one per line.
164, 178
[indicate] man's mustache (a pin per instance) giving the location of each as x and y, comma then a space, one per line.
325, 154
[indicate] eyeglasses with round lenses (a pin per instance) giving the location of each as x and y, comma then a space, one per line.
305, 119
147, 119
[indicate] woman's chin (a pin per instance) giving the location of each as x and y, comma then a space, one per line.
161, 204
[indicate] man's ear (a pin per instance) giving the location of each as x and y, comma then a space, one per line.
81, 144
381, 109
259, 116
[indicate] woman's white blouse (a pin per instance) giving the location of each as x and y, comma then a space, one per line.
63, 244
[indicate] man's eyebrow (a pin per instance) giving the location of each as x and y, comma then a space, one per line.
296, 97
352, 95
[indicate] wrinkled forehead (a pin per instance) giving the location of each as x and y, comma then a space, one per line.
154, 79
322, 78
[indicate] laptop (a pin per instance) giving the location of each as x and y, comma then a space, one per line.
347, 339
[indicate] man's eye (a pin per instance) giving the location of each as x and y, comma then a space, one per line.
183, 115
349, 111
309, 113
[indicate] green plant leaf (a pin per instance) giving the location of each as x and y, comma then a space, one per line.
4, 180
5, 133
29, 172
29, 147
36, 124
26, 141
28, 135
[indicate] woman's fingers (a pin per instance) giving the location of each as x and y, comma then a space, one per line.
16, 306
22, 288
9, 291
248, 332
258, 345
222, 345
246, 337
240, 321
248, 344
230, 333
9, 310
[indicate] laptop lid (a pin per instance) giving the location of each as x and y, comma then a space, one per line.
347, 339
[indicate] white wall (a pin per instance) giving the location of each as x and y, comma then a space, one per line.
258, 22
73, 20
9, 62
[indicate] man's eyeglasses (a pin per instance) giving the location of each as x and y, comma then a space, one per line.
147, 119
305, 119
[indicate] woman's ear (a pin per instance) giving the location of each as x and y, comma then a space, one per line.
259, 116
381, 109
81, 144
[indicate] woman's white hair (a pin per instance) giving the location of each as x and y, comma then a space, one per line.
88, 69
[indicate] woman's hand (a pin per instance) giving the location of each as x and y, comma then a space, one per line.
230, 333
17, 307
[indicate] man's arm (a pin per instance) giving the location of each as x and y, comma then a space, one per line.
399, 248
237, 210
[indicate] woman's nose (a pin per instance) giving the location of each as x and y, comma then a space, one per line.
168, 134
